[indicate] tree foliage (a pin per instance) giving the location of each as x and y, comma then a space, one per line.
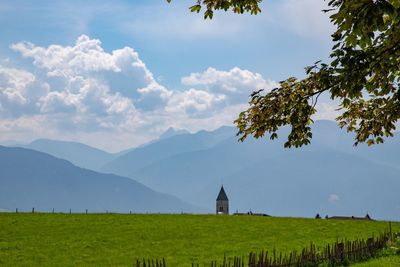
237, 6
363, 75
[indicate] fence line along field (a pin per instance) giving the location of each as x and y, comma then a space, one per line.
121, 239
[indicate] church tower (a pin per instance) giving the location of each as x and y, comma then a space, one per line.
222, 202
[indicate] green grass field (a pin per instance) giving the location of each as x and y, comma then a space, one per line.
390, 261
117, 240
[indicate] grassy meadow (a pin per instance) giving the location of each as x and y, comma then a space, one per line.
390, 261
119, 239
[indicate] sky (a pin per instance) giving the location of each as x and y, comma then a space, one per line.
116, 74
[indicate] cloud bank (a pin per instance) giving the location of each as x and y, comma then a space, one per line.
83, 90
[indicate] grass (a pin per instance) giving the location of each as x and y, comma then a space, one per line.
118, 239
390, 261
389, 257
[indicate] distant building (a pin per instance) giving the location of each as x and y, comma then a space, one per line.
250, 213
366, 218
222, 202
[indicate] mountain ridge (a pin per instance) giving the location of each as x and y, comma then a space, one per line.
35, 179
79, 154
193, 167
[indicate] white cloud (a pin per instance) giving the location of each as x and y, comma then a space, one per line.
333, 198
235, 80
326, 111
224, 116
55, 102
14, 84
79, 87
236, 84
19, 92
122, 70
86, 56
82, 91
194, 102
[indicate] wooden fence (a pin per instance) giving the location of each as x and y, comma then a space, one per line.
150, 263
336, 254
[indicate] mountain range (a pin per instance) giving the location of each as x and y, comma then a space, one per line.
83, 155
77, 153
31, 179
329, 177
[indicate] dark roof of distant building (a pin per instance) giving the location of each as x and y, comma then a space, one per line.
222, 194
251, 214
367, 217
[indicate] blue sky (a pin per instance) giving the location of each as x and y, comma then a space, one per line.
126, 71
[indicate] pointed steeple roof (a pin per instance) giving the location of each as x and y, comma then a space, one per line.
222, 194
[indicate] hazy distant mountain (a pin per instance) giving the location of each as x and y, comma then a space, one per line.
33, 179
79, 154
329, 176
172, 132
9, 143
129, 163
304, 183
167, 134
328, 134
